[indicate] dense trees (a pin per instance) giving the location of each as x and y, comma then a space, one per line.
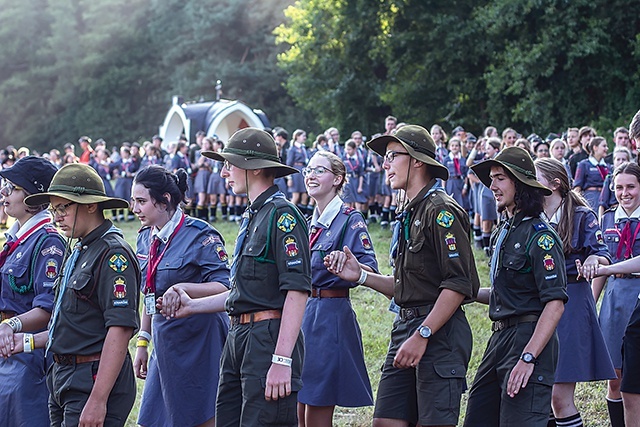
108, 68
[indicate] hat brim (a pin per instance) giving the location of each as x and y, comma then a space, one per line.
104, 201
249, 163
379, 145
483, 169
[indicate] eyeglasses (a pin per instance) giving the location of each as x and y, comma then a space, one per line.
317, 171
390, 156
228, 166
8, 188
60, 211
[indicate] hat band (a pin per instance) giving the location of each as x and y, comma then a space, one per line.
76, 190
251, 153
417, 147
528, 173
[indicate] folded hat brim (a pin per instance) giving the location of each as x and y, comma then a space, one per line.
251, 163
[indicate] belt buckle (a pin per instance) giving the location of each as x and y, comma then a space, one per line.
409, 314
498, 325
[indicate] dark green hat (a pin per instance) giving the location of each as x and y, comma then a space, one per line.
418, 143
79, 183
517, 161
250, 149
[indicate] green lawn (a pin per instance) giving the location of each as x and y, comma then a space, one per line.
375, 321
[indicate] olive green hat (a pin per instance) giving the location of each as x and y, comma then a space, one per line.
517, 161
250, 149
79, 183
418, 143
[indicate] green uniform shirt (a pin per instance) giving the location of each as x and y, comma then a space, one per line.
434, 251
103, 291
531, 269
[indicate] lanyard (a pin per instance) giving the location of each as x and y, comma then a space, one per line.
12, 246
154, 259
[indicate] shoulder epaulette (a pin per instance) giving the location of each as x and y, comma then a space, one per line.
197, 223
347, 210
540, 226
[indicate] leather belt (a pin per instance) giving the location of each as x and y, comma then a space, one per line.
499, 325
330, 293
74, 359
4, 315
593, 189
257, 316
410, 313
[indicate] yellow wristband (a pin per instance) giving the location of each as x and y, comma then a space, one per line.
142, 343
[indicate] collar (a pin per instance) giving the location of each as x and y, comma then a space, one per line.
421, 195
257, 204
96, 233
166, 231
555, 218
330, 213
16, 231
594, 162
621, 214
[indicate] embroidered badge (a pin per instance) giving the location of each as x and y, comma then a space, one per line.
121, 303
599, 237
211, 239
51, 269
286, 222
549, 264
51, 250
593, 223
450, 240
359, 224
142, 257
294, 262
364, 238
546, 242
222, 254
119, 287
445, 219
291, 246
540, 226
118, 263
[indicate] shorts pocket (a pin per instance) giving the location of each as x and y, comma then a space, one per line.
540, 398
444, 387
281, 412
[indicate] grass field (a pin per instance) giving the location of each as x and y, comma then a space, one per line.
375, 322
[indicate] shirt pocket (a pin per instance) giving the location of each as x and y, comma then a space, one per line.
77, 293
169, 272
253, 249
18, 269
414, 257
514, 264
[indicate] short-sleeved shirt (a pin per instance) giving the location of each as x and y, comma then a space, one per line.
588, 173
531, 269
434, 251
274, 258
29, 272
103, 291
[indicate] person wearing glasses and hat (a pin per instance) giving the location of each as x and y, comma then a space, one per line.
423, 376
96, 307
29, 263
526, 300
270, 282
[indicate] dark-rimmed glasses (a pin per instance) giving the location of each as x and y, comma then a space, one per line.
8, 188
390, 156
317, 171
60, 211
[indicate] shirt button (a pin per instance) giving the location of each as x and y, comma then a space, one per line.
410, 248
540, 377
250, 249
453, 372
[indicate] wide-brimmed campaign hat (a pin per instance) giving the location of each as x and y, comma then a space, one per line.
418, 143
517, 161
250, 149
32, 173
79, 183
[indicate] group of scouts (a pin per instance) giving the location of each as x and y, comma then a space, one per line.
272, 339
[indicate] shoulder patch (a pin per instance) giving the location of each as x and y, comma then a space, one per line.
119, 287
445, 218
286, 223
549, 263
118, 263
364, 239
51, 269
359, 224
222, 254
291, 246
51, 250
599, 237
450, 240
212, 238
540, 226
546, 242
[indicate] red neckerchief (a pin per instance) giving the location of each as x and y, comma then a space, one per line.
154, 259
314, 235
626, 240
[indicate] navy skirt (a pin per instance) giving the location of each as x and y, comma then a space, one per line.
583, 354
620, 297
202, 181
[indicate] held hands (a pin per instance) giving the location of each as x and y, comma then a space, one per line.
6, 340
343, 264
410, 352
591, 268
184, 304
278, 382
169, 303
519, 377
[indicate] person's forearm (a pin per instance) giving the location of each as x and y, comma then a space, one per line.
210, 304
199, 290
629, 266
292, 314
545, 327
34, 319
483, 295
145, 322
378, 282
114, 351
446, 304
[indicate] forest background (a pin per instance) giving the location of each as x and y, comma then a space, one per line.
108, 68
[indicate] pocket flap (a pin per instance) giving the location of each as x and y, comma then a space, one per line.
170, 263
17, 269
79, 281
514, 261
450, 370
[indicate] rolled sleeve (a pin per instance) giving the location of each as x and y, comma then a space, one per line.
290, 243
548, 267
118, 289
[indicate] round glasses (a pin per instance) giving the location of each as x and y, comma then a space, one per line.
60, 211
390, 156
317, 171
8, 188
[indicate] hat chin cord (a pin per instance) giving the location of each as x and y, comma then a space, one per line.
405, 202
68, 246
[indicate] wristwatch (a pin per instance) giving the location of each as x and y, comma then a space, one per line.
424, 331
528, 358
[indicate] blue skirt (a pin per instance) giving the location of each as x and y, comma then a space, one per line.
593, 197
184, 367
620, 297
201, 182
583, 354
373, 183
24, 394
216, 184
298, 181
350, 191
454, 189
334, 372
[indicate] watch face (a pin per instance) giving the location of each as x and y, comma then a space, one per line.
424, 331
527, 357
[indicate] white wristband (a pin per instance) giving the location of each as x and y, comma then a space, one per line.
363, 277
27, 343
144, 335
281, 360
14, 323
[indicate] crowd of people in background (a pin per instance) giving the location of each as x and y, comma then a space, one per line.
440, 192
